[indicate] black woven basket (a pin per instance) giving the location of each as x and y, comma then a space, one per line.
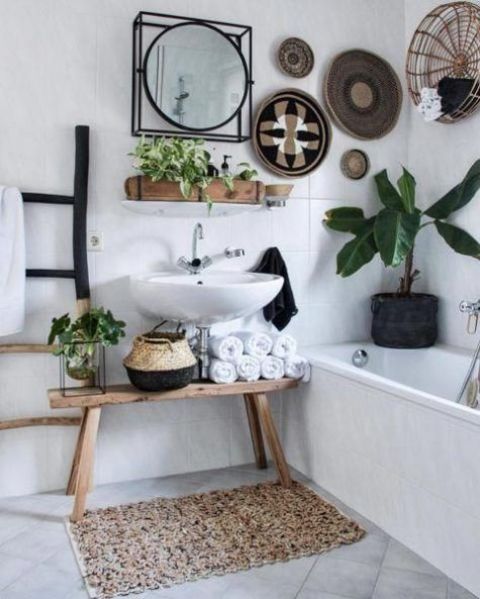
159, 361
161, 381
404, 322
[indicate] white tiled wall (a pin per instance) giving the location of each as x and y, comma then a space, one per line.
440, 155
65, 62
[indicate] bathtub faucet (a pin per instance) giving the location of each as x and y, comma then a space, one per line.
473, 310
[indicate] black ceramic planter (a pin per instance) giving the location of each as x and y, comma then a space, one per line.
404, 322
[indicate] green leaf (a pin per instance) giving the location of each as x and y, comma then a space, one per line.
185, 188
182, 160
458, 239
406, 185
357, 252
395, 234
459, 196
345, 219
387, 193
59, 326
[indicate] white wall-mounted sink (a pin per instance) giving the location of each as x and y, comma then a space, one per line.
205, 298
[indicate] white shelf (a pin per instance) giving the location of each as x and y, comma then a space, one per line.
179, 209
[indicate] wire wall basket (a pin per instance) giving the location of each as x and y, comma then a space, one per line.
446, 44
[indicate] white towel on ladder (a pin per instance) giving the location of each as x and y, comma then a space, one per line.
12, 261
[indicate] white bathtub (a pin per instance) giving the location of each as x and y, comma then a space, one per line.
390, 441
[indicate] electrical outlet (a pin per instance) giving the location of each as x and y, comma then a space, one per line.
95, 241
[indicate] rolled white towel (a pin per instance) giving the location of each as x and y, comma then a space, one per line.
222, 372
272, 368
297, 367
255, 343
248, 368
284, 346
227, 348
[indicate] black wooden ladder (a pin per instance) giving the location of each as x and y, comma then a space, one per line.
79, 273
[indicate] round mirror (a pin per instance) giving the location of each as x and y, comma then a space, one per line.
195, 76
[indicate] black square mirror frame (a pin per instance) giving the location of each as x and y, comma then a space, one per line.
148, 23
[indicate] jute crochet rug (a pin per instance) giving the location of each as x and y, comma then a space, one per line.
163, 542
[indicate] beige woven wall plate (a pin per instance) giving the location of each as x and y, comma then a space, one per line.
363, 94
354, 164
291, 133
295, 57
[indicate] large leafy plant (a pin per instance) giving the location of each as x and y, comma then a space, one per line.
78, 339
393, 231
184, 161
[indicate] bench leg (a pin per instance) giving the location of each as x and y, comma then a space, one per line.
255, 431
85, 462
268, 425
73, 480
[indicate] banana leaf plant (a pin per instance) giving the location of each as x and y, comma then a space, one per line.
393, 231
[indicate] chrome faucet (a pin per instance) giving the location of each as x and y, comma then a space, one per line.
473, 311
195, 265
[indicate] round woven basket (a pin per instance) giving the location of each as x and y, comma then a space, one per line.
363, 94
446, 44
160, 361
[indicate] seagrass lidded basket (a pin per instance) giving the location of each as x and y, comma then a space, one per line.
446, 44
160, 361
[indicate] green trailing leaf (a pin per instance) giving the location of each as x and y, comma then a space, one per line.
459, 196
247, 173
357, 252
387, 193
346, 220
59, 325
406, 185
95, 326
458, 239
184, 161
395, 234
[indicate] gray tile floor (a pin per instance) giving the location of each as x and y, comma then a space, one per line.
36, 561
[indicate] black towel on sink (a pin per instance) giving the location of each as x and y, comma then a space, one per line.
281, 309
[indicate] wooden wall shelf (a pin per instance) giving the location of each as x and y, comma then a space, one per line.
178, 209
142, 188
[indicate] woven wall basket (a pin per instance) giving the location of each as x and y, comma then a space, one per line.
363, 94
292, 134
446, 44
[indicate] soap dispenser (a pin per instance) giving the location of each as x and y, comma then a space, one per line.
225, 167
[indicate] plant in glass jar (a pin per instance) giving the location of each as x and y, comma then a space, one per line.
78, 340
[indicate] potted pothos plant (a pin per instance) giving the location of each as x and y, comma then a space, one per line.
403, 319
177, 168
78, 340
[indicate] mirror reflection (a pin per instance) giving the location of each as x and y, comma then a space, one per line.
195, 76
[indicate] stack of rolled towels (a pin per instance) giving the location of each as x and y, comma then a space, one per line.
250, 355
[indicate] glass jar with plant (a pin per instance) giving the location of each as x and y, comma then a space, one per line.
185, 162
78, 340
403, 319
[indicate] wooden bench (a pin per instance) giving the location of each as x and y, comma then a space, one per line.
256, 403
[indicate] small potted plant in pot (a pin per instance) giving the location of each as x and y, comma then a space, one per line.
403, 319
180, 169
78, 340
